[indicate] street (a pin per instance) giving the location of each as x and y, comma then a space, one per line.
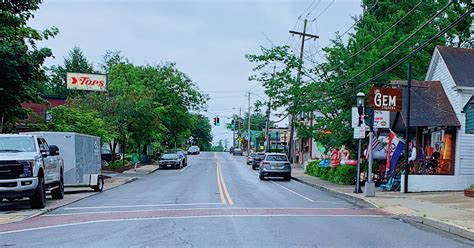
218, 201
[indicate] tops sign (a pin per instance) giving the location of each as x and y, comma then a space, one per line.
86, 81
386, 99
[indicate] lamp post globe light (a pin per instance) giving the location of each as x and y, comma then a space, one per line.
360, 98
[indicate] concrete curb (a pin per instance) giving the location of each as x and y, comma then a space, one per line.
353, 199
50, 209
427, 221
440, 225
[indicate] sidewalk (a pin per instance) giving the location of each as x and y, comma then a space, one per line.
21, 210
143, 169
448, 211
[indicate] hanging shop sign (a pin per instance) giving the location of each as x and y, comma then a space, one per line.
388, 99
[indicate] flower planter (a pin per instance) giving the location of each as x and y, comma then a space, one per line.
469, 192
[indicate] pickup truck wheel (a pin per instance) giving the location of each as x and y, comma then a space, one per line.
58, 193
38, 200
100, 184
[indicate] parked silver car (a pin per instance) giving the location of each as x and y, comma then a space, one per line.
275, 165
250, 158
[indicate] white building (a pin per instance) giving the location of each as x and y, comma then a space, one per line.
454, 68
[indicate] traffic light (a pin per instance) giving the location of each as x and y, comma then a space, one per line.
217, 121
232, 124
369, 116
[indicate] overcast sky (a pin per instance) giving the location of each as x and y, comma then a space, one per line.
206, 38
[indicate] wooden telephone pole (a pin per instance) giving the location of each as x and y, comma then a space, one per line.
304, 36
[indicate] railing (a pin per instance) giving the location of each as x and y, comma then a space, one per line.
432, 167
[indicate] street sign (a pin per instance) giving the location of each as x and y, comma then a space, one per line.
359, 132
355, 117
86, 81
388, 99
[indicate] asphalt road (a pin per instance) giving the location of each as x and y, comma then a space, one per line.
218, 201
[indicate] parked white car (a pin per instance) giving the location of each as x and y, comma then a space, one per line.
29, 167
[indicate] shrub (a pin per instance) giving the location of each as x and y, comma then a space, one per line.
117, 163
345, 175
339, 175
471, 187
312, 167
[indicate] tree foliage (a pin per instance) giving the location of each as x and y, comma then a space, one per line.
22, 75
75, 61
328, 88
71, 119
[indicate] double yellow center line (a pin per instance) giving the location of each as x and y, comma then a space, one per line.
223, 192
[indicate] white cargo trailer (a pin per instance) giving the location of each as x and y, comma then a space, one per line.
82, 157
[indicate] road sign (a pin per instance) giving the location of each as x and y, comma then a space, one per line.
359, 132
355, 117
385, 99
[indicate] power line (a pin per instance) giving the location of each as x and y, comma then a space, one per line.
307, 8
356, 22
324, 10
404, 59
381, 35
386, 31
314, 7
400, 44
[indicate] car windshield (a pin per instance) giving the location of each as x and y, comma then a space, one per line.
260, 156
252, 154
17, 144
170, 156
276, 158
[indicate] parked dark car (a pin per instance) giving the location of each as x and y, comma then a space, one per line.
171, 160
193, 150
182, 154
275, 165
259, 156
237, 152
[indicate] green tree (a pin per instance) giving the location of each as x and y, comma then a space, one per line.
71, 119
201, 132
75, 61
22, 76
329, 88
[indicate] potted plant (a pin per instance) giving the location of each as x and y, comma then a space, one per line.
469, 192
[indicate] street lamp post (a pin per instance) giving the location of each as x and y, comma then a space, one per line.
360, 109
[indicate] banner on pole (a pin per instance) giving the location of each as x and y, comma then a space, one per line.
395, 148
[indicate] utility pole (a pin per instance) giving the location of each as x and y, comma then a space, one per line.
304, 37
233, 130
267, 127
407, 132
248, 133
240, 120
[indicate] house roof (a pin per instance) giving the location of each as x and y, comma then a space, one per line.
460, 63
430, 107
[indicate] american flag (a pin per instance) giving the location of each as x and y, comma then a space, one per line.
375, 143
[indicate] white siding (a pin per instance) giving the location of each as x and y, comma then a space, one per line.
464, 150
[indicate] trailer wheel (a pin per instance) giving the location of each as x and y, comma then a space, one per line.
100, 184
